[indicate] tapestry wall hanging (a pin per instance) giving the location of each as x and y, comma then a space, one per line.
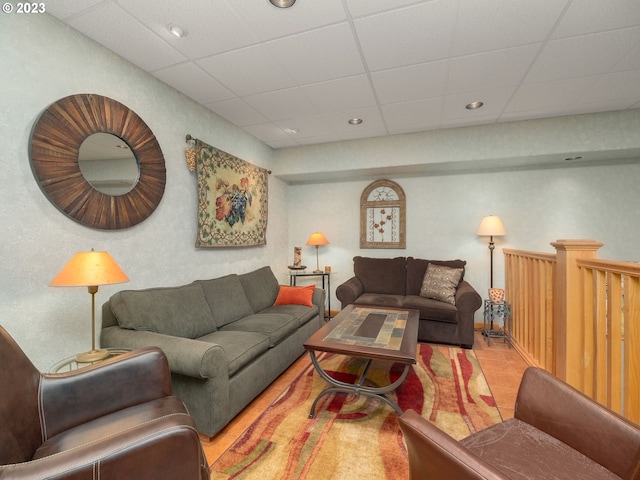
232, 198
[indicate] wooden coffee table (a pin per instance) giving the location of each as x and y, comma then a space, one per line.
373, 333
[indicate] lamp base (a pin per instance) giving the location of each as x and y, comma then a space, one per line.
92, 356
317, 271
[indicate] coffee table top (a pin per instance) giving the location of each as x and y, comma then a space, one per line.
370, 332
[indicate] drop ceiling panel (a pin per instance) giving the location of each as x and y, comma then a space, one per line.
282, 104
323, 54
110, 25
345, 94
592, 16
416, 34
238, 112
191, 80
411, 83
248, 71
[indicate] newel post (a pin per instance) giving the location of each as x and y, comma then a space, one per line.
569, 309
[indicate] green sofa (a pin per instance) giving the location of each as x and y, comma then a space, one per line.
224, 338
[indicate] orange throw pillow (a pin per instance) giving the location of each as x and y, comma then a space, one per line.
295, 295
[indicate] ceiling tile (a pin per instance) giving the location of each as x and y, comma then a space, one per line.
237, 112
269, 22
549, 95
282, 104
191, 80
359, 8
411, 83
341, 95
499, 68
412, 116
248, 70
306, 127
68, 8
495, 24
417, 34
592, 16
372, 123
324, 54
109, 25
494, 102
212, 27
270, 134
580, 56
613, 87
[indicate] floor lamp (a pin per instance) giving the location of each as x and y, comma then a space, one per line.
491, 226
317, 239
90, 269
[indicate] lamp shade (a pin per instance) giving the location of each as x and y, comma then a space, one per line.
491, 226
317, 238
87, 269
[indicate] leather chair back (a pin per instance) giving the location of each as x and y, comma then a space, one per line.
20, 434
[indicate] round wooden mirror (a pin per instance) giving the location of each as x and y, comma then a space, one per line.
55, 145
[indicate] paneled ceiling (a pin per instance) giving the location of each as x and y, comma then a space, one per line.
296, 76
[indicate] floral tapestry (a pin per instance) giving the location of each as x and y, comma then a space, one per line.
232, 199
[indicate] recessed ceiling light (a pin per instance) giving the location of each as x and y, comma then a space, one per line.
568, 159
292, 131
177, 31
474, 105
283, 3
355, 121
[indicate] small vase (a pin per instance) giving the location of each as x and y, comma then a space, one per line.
496, 295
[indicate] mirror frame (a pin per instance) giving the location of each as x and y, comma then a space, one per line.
55, 143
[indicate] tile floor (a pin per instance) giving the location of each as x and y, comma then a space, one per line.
502, 366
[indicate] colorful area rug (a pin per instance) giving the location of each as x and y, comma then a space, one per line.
358, 437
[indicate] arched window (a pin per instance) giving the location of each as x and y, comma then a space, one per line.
382, 216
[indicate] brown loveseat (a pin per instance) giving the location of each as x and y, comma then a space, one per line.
397, 282
556, 433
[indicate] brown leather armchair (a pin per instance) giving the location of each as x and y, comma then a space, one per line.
556, 433
112, 420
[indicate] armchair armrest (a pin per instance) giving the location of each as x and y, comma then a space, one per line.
435, 454
73, 398
349, 291
556, 408
186, 356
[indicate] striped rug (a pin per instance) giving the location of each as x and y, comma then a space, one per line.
354, 437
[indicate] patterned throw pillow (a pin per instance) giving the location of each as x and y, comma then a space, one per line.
441, 283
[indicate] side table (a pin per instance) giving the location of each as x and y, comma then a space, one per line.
293, 276
492, 311
70, 363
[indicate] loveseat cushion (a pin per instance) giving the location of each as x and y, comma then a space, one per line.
275, 326
380, 300
240, 347
432, 309
226, 299
381, 275
261, 288
177, 311
417, 267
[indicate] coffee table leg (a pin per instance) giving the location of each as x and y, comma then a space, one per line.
357, 388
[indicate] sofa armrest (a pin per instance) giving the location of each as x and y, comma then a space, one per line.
186, 356
318, 299
349, 291
549, 404
467, 299
435, 454
73, 398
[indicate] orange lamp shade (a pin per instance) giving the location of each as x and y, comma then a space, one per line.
86, 269
317, 238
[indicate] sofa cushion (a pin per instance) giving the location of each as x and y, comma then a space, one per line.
261, 288
381, 275
226, 299
302, 313
380, 300
417, 267
441, 283
538, 453
240, 347
275, 326
431, 309
176, 311
295, 295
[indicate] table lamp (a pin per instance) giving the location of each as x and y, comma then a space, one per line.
90, 269
491, 226
317, 239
